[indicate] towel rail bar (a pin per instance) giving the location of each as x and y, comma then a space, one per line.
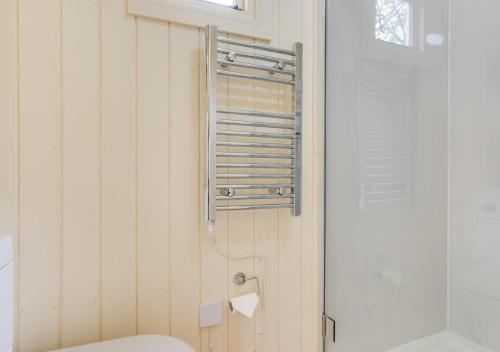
254, 166
255, 155
260, 57
255, 145
269, 69
257, 196
255, 124
253, 207
255, 134
254, 176
255, 186
256, 77
272, 115
256, 46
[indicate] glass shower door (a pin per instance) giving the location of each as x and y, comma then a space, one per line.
386, 170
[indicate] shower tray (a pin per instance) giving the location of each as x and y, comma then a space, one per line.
442, 342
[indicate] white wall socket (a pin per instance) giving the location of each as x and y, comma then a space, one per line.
211, 314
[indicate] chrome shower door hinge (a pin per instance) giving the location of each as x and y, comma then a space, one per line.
328, 328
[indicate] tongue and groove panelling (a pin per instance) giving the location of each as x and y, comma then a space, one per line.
102, 166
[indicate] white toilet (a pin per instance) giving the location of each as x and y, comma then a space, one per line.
142, 343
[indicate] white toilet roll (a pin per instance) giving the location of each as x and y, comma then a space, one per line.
245, 304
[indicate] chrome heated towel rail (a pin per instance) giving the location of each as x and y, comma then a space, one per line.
254, 157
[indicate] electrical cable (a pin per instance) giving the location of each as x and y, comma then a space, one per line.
233, 257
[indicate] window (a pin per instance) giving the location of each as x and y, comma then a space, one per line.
234, 4
254, 18
230, 3
393, 21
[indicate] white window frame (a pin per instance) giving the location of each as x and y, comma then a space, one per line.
256, 18
239, 3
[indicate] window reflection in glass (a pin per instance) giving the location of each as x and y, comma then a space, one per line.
393, 21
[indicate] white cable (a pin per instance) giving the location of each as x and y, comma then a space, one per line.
234, 257
240, 257
211, 344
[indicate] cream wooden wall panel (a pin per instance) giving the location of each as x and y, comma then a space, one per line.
289, 275
289, 296
111, 177
266, 244
312, 221
241, 227
185, 212
214, 284
8, 116
40, 174
290, 234
241, 230
308, 314
153, 172
119, 167
81, 172
266, 98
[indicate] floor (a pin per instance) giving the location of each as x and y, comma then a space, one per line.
443, 342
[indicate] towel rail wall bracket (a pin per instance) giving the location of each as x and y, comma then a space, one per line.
253, 160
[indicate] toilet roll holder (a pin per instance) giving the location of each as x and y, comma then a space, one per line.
241, 278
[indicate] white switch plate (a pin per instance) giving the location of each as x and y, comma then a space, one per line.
211, 314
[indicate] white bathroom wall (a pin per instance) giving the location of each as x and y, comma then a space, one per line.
101, 184
386, 172
474, 171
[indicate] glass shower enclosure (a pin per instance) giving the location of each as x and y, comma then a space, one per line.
412, 229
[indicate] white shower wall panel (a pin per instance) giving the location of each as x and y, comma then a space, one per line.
475, 171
